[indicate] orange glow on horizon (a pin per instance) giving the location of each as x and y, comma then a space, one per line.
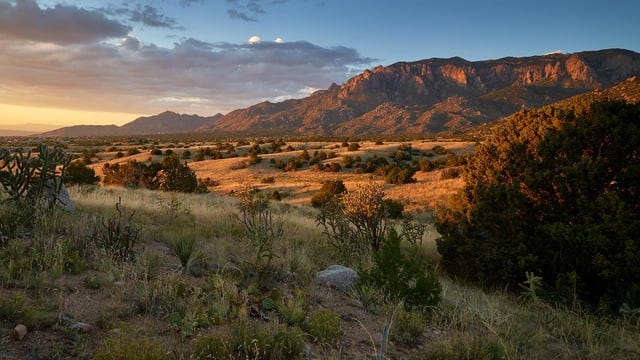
18, 114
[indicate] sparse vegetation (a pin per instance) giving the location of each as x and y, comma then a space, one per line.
190, 289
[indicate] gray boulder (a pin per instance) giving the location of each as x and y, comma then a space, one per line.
62, 199
338, 276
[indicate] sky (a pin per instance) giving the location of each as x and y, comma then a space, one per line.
66, 62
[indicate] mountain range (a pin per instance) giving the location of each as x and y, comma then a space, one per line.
422, 97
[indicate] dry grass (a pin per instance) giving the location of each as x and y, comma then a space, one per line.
423, 195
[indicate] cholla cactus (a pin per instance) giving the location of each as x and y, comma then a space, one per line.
25, 177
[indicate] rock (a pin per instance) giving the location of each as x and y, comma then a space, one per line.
63, 199
83, 327
338, 276
20, 331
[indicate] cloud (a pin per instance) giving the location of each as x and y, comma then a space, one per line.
61, 24
187, 3
254, 39
191, 76
130, 43
278, 40
151, 16
249, 10
238, 15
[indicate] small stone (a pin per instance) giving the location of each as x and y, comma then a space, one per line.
20, 331
338, 276
119, 283
83, 327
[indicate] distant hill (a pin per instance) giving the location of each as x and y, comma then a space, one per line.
163, 123
436, 95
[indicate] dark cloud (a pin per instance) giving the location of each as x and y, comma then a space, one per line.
248, 10
151, 16
192, 76
61, 24
238, 15
187, 3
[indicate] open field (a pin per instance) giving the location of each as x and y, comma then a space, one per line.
143, 306
428, 191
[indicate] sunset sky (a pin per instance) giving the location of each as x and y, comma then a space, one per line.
66, 62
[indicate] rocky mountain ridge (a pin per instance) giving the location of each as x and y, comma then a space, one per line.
421, 97
437, 95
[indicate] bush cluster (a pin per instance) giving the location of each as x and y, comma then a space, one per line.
168, 175
553, 193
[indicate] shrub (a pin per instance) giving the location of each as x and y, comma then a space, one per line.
186, 154
554, 193
130, 346
399, 175
77, 173
329, 190
450, 173
356, 222
354, 146
252, 340
263, 228
156, 152
408, 328
117, 235
324, 326
402, 277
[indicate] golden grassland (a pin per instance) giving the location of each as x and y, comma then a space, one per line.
152, 306
125, 301
298, 186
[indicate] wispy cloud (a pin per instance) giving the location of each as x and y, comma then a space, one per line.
151, 16
144, 14
249, 10
61, 24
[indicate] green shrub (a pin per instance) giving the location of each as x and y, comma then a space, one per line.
218, 346
130, 346
255, 340
324, 326
554, 193
402, 277
408, 328
329, 190
78, 173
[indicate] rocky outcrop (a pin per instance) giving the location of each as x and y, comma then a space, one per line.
437, 95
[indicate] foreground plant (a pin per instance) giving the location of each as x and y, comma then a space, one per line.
263, 227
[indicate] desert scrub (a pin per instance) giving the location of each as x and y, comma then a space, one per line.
252, 340
128, 346
402, 277
117, 235
324, 326
183, 244
408, 328
263, 227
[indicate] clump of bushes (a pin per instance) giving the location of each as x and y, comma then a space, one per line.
168, 175
403, 277
553, 193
